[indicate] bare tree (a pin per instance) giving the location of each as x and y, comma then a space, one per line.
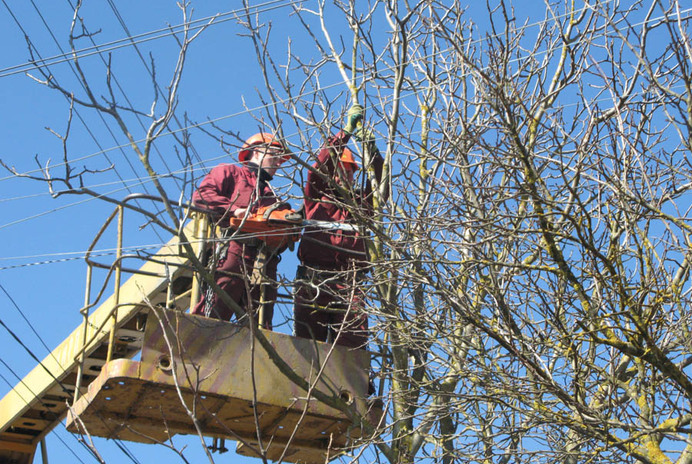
105, 100
530, 265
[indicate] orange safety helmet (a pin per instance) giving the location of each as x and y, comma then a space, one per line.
260, 139
347, 158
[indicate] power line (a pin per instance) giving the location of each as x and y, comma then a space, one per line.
127, 183
101, 116
91, 452
102, 252
101, 151
191, 126
27, 403
57, 43
233, 114
119, 444
140, 38
33, 356
2, 268
14, 303
151, 73
78, 255
82, 83
122, 91
69, 205
262, 107
16, 306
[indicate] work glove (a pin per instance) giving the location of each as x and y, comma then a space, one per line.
363, 134
367, 138
353, 117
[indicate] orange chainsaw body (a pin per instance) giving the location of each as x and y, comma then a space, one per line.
276, 225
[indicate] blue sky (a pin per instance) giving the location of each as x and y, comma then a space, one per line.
41, 273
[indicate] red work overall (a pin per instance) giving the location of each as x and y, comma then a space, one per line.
226, 188
328, 298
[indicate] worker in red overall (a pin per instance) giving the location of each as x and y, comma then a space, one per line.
230, 190
328, 300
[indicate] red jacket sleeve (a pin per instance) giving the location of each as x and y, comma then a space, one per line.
325, 166
215, 192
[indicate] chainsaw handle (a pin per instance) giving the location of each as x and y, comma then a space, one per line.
269, 224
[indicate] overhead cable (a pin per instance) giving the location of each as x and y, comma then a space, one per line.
7, 366
137, 39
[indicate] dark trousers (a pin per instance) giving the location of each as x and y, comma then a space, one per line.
233, 272
328, 307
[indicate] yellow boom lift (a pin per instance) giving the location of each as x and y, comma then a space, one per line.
193, 375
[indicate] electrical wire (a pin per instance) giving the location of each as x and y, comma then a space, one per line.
135, 249
130, 182
33, 356
7, 366
101, 116
69, 205
1, 287
86, 126
160, 92
79, 255
322, 88
231, 115
16, 306
140, 38
120, 147
138, 117
119, 444
89, 450
14, 303
50, 352
192, 25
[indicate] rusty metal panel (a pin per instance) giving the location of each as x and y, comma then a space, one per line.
214, 363
219, 357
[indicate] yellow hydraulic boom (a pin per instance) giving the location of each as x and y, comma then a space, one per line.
38, 402
186, 363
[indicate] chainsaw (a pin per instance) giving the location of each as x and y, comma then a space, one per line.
279, 225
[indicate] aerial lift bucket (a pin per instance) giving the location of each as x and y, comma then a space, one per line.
214, 371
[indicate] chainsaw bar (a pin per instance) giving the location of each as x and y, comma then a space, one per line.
329, 225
